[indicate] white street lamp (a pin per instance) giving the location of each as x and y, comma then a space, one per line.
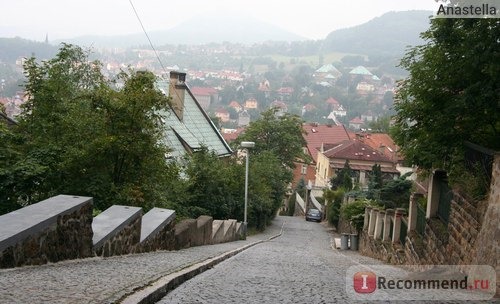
247, 145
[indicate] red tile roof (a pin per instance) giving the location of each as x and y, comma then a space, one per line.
279, 104
332, 100
203, 91
229, 137
285, 90
356, 150
316, 135
235, 105
309, 107
356, 120
340, 165
380, 141
222, 111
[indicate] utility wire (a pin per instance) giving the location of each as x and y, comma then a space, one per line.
147, 36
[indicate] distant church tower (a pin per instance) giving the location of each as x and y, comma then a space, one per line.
47, 38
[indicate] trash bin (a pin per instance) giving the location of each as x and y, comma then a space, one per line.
344, 241
354, 241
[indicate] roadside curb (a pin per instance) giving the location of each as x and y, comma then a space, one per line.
157, 290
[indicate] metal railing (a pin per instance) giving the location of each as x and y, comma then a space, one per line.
402, 233
444, 205
479, 160
420, 227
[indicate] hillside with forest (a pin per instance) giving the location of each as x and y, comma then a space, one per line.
387, 35
13, 48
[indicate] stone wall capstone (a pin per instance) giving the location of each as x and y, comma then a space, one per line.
184, 232
117, 231
157, 231
203, 235
52, 230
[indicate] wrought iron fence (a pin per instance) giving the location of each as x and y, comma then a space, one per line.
391, 228
479, 160
420, 221
445, 196
402, 233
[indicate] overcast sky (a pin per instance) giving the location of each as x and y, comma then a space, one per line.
313, 19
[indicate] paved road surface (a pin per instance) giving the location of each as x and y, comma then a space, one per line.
298, 267
105, 280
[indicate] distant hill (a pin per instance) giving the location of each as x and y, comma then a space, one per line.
199, 30
13, 48
387, 35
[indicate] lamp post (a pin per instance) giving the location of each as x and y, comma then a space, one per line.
247, 145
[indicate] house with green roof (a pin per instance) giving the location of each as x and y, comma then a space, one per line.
360, 70
327, 73
188, 128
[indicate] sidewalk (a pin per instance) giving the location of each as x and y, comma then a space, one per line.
106, 280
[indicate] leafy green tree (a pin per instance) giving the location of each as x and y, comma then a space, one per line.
355, 213
81, 136
291, 205
381, 125
396, 193
268, 182
280, 135
376, 182
209, 181
333, 199
452, 94
343, 179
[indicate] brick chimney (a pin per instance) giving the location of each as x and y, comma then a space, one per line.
177, 90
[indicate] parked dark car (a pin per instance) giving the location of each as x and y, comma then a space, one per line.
313, 215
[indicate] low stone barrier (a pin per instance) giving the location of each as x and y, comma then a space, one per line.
226, 231
203, 236
184, 232
240, 233
229, 230
62, 228
218, 232
58, 228
157, 231
117, 231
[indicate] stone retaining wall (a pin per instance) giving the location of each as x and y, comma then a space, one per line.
204, 226
184, 232
382, 250
56, 229
117, 231
124, 242
469, 238
157, 231
164, 240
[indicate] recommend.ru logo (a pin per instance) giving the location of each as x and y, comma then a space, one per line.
421, 282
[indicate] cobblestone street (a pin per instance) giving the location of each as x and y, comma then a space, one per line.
298, 267
105, 280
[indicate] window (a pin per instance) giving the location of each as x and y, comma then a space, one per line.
304, 169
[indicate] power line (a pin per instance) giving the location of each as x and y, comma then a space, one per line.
147, 36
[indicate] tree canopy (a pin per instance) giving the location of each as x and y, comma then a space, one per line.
282, 135
452, 94
81, 135
343, 179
